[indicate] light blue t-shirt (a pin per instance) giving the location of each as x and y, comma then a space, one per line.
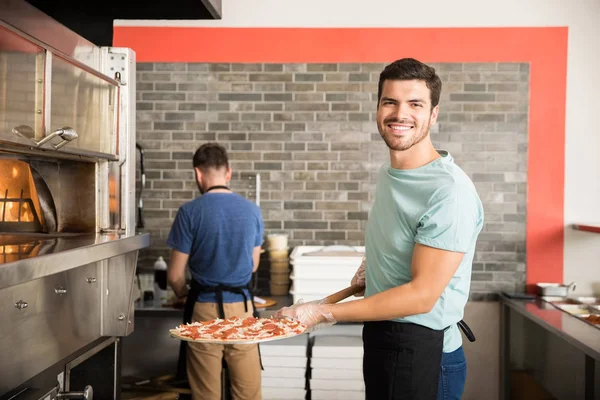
435, 205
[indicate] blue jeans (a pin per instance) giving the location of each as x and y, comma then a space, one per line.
453, 375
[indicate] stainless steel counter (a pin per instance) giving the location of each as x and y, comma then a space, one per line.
62, 252
547, 327
580, 334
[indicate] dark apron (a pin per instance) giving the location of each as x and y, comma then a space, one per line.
402, 360
195, 290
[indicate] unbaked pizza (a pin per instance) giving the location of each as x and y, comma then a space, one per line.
239, 330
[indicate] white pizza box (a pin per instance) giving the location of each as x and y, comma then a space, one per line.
338, 347
306, 297
326, 287
337, 384
336, 373
282, 361
284, 372
336, 363
312, 294
290, 347
298, 383
283, 394
324, 272
327, 255
337, 395
339, 330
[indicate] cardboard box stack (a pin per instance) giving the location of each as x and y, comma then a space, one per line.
280, 264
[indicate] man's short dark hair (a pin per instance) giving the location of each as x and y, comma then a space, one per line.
407, 69
210, 155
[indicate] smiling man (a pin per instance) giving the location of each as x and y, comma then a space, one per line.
420, 243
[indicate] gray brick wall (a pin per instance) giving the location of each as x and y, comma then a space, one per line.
309, 130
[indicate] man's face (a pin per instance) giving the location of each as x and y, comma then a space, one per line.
404, 113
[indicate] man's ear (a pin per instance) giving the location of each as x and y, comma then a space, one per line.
434, 115
228, 174
198, 174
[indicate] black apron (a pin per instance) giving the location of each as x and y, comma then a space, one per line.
402, 360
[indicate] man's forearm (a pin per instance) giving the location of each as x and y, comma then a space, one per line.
179, 287
397, 302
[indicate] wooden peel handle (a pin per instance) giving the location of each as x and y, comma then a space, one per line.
343, 294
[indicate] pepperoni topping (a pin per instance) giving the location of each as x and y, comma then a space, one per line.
240, 329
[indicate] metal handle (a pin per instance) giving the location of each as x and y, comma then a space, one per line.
60, 290
66, 133
21, 305
91, 280
87, 394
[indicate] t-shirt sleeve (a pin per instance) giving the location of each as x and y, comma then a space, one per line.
180, 236
452, 221
260, 229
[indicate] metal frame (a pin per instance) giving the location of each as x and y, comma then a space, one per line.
509, 306
121, 61
50, 53
87, 355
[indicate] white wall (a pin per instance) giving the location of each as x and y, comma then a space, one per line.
582, 17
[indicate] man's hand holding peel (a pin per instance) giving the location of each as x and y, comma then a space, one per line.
359, 277
310, 314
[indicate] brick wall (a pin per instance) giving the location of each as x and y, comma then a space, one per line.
309, 131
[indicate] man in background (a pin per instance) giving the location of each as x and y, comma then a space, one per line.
219, 235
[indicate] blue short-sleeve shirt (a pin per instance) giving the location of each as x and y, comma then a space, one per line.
219, 232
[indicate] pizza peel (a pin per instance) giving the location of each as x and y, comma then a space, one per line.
331, 299
342, 294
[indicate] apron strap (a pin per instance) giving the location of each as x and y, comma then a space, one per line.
255, 315
466, 330
188, 311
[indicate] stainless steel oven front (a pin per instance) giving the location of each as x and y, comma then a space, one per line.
68, 246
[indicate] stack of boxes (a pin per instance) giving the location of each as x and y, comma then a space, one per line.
318, 271
280, 264
285, 365
336, 363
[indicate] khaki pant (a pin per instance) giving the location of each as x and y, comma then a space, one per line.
204, 361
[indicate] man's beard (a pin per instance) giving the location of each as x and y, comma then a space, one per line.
398, 144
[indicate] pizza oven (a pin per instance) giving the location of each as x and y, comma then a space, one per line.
68, 246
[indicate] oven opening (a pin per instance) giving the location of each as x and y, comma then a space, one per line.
19, 203
46, 204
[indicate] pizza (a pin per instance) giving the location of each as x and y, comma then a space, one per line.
239, 330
